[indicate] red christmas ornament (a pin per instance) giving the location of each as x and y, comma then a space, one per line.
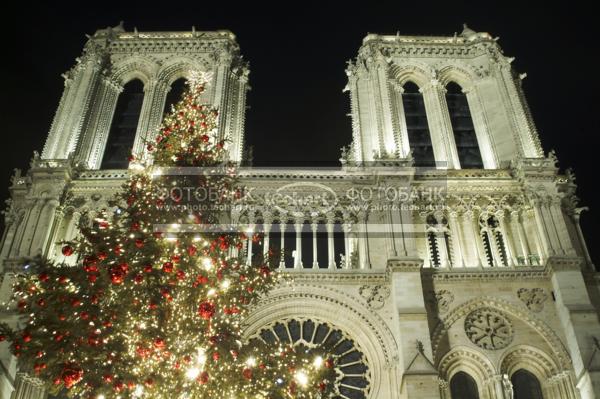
138, 278
203, 378
191, 250
67, 250
167, 267
26, 337
216, 356
247, 373
206, 310
71, 375
44, 277
159, 343
148, 268
139, 243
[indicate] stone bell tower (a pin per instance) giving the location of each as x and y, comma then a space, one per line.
113, 57
475, 66
112, 104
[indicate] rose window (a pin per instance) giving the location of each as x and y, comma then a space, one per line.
317, 339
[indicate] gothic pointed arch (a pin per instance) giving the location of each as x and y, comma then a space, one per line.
463, 386
463, 129
526, 385
460, 361
417, 125
419, 73
136, 67
124, 126
324, 305
557, 349
174, 93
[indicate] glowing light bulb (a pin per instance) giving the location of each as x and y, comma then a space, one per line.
201, 356
301, 378
318, 361
192, 373
207, 263
225, 284
251, 362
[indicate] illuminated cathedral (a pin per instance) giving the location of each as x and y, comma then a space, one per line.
443, 258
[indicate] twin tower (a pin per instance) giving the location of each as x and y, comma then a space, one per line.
451, 102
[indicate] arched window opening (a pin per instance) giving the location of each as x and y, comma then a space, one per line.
526, 385
438, 241
463, 386
465, 138
419, 138
124, 126
175, 93
494, 243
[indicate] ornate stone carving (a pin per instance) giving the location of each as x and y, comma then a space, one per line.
375, 295
533, 298
443, 299
488, 329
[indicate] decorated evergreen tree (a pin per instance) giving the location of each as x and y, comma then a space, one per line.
153, 305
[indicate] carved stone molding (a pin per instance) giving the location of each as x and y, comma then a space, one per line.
533, 298
443, 299
375, 295
489, 329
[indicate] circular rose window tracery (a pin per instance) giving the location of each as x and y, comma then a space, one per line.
318, 338
488, 329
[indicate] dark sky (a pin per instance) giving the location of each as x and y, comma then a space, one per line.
297, 54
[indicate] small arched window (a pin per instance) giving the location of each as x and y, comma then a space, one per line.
465, 138
494, 243
417, 126
438, 241
463, 386
175, 93
526, 385
123, 127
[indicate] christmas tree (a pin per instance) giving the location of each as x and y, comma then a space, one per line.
155, 300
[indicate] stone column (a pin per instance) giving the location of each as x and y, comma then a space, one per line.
330, 243
511, 259
298, 259
347, 253
539, 246
455, 235
440, 126
91, 148
404, 148
145, 127
471, 225
282, 224
315, 226
363, 242
542, 230
27, 387
484, 138
250, 234
521, 247
266, 240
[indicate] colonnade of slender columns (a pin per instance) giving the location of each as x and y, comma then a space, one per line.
271, 230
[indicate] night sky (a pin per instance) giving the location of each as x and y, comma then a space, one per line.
297, 52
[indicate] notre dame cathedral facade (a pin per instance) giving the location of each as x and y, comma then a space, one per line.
443, 259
